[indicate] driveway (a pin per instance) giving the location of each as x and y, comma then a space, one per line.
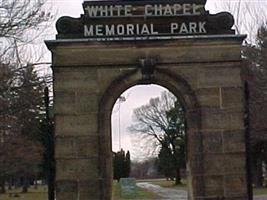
260, 197
176, 194
165, 193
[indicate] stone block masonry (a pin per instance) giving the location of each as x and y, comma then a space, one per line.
203, 72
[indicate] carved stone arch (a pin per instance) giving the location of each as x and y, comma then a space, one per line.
203, 71
182, 90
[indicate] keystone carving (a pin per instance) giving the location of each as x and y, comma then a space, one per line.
147, 66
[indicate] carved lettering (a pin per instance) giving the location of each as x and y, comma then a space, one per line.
142, 29
149, 10
140, 18
119, 30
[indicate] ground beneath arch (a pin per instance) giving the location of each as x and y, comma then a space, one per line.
165, 193
174, 194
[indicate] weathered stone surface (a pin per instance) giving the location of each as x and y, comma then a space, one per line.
219, 164
235, 185
67, 186
236, 198
194, 143
107, 75
93, 195
188, 72
88, 186
76, 125
209, 97
213, 164
76, 147
77, 169
213, 118
196, 164
66, 189
78, 102
234, 163
213, 142
198, 186
78, 189
76, 79
193, 119
89, 189
234, 141
232, 98
66, 195
182, 51
64, 102
213, 186
86, 102
219, 77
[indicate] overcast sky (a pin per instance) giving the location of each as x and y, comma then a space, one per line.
135, 96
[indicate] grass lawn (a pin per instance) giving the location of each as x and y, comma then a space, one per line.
259, 191
140, 193
41, 194
33, 194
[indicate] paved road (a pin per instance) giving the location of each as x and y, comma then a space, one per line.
260, 197
175, 194
165, 193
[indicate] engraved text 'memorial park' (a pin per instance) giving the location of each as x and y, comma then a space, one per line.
133, 19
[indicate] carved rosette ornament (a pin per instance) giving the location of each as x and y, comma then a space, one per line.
143, 19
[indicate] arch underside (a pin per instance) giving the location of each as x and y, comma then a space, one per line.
182, 90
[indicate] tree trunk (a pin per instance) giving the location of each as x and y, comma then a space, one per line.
25, 185
258, 173
2, 185
178, 177
17, 182
35, 182
10, 183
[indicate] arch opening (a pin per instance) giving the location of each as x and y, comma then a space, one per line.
148, 126
181, 90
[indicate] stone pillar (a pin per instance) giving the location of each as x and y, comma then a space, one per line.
76, 139
220, 91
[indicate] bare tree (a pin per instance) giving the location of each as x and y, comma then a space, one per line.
21, 23
248, 15
162, 120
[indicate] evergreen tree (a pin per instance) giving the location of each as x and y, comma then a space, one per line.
127, 164
30, 102
20, 149
166, 165
121, 165
255, 75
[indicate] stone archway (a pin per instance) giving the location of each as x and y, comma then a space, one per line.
180, 88
87, 80
200, 65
